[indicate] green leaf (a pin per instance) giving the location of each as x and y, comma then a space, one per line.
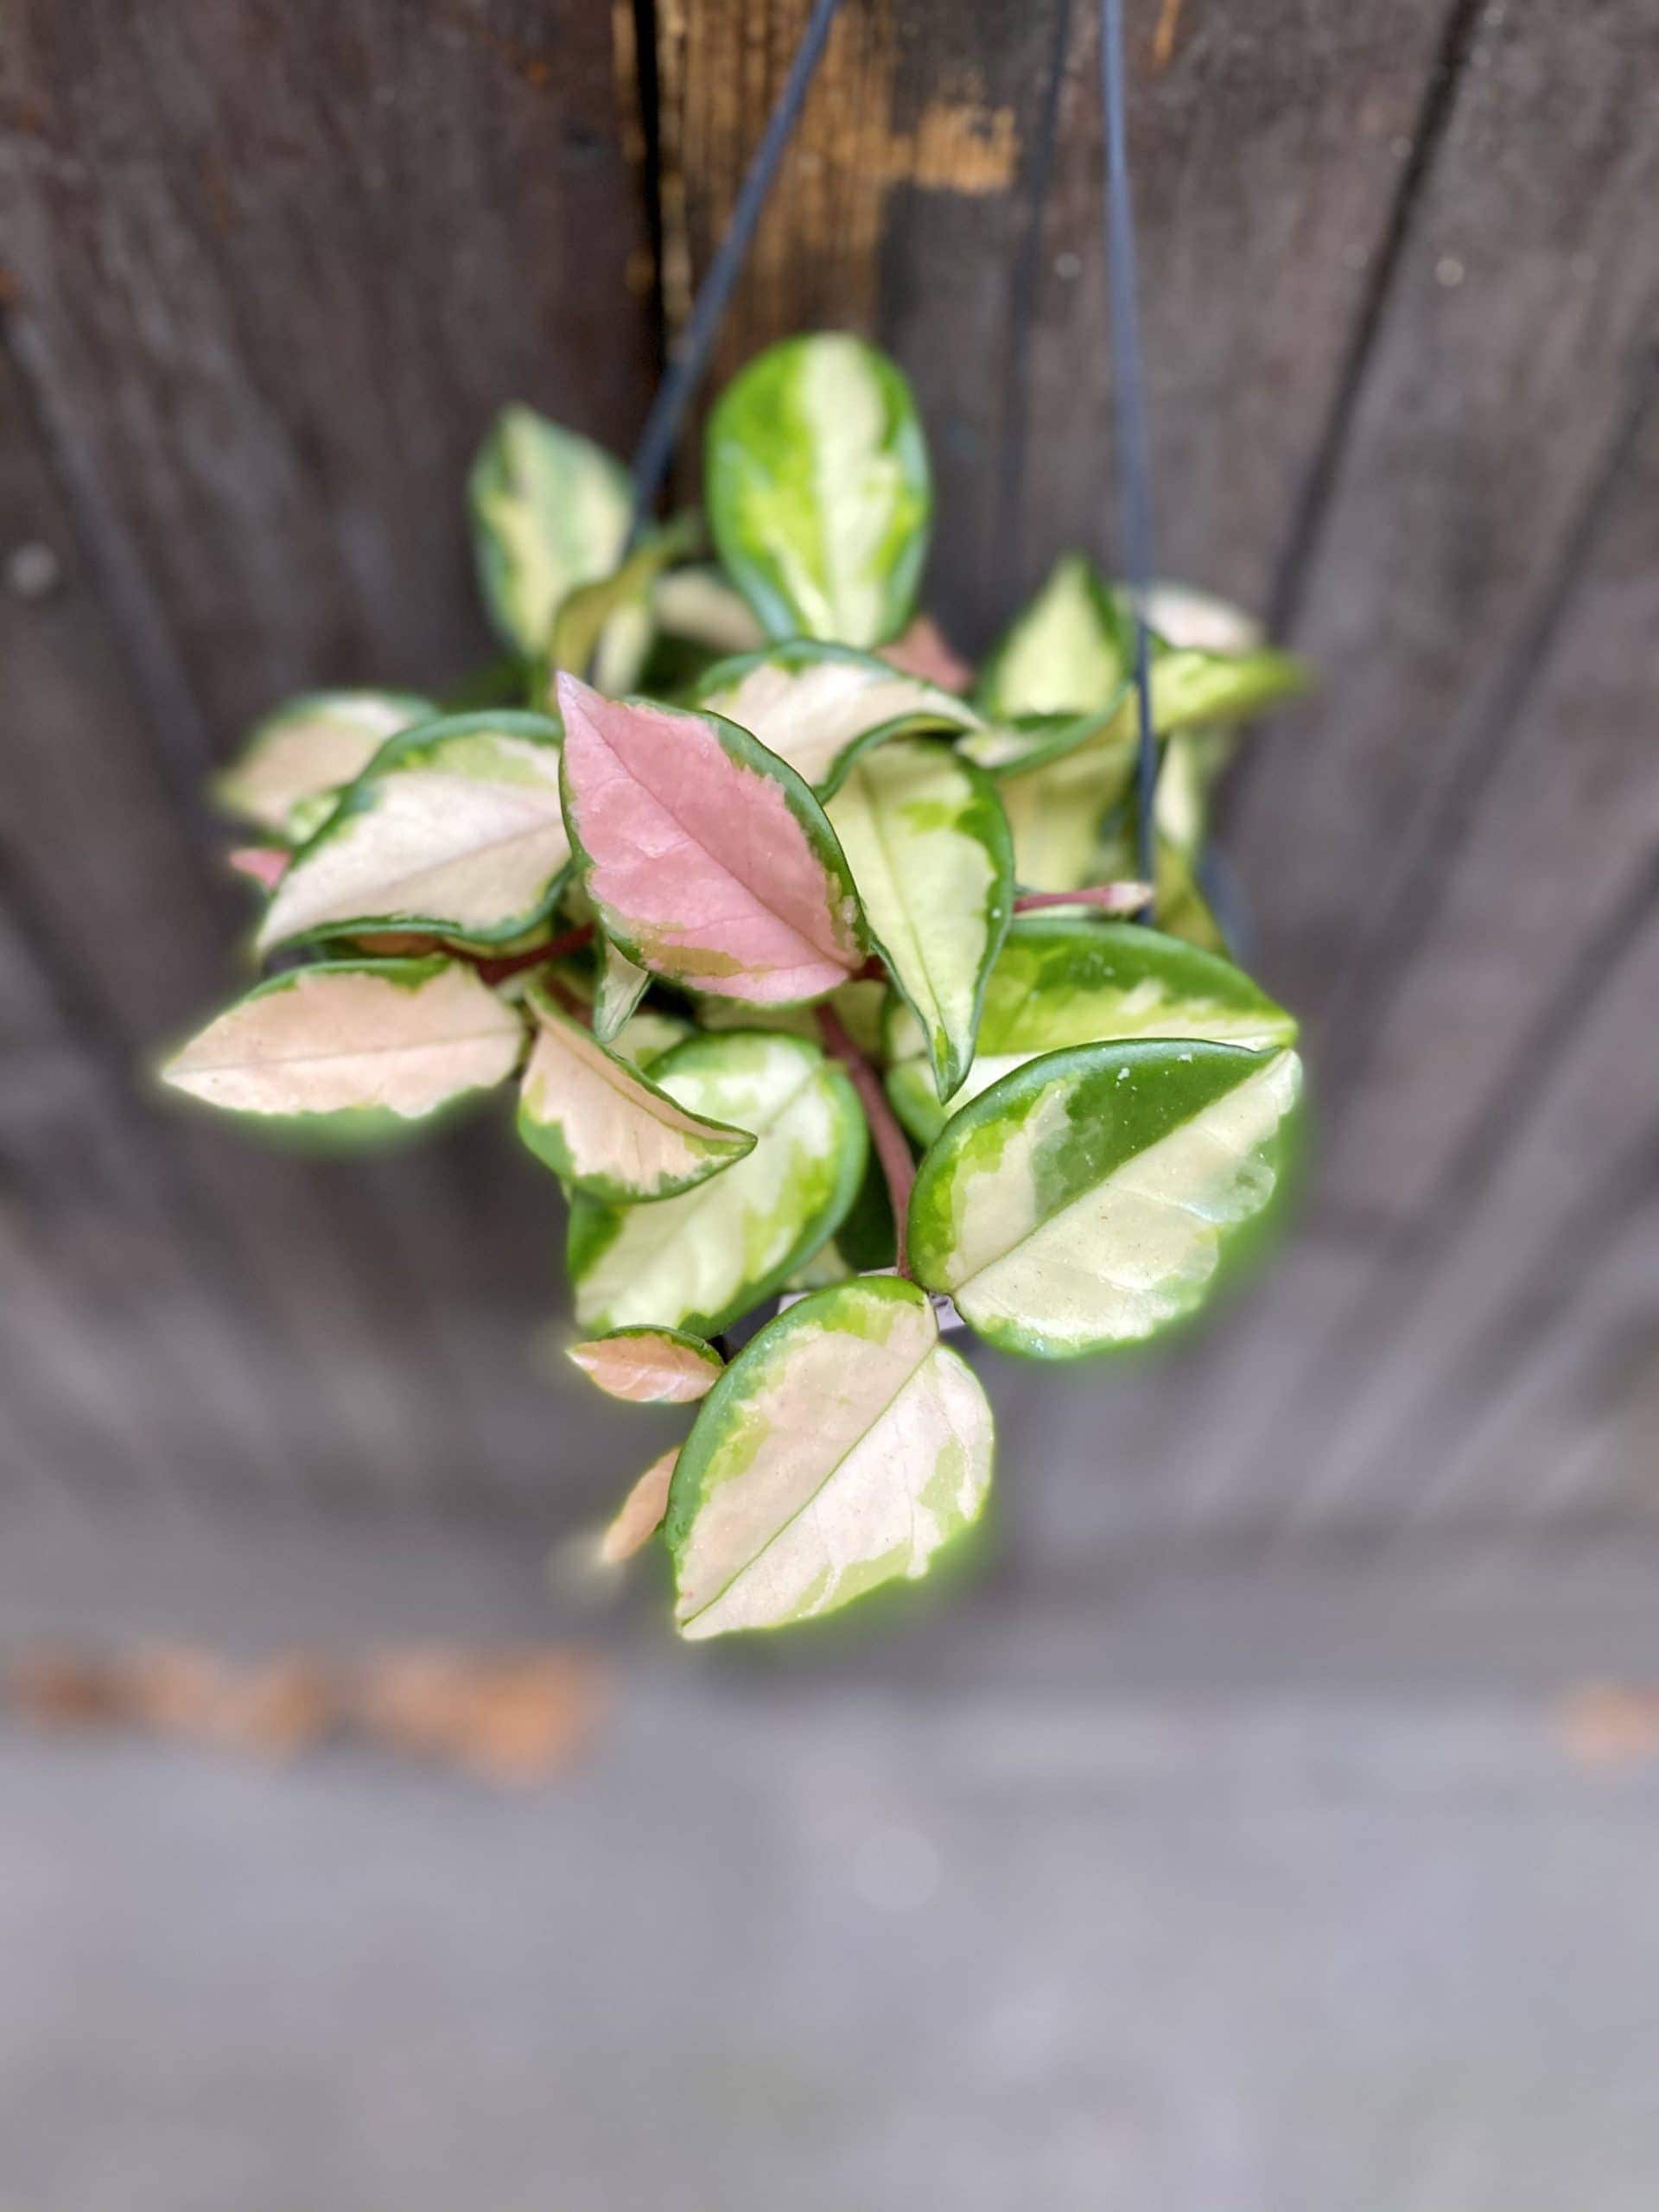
1059, 983
606, 1128
550, 511
863, 1244
650, 1367
1014, 748
297, 758
1067, 652
620, 986
819, 495
605, 628
456, 828
841, 1450
1071, 651
352, 1052
858, 1005
707, 860
1056, 814
933, 861
1096, 1196
699, 1261
1191, 688
817, 706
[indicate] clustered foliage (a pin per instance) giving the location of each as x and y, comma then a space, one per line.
738, 869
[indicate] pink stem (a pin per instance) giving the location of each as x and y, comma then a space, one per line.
891, 1149
513, 964
1116, 897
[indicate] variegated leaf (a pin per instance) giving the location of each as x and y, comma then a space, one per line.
840, 1451
457, 829
606, 1128
817, 706
1071, 651
819, 495
604, 629
699, 1261
1065, 653
1059, 983
1097, 1195
926, 839
859, 1006
707, 860
1032, 741
1183, 615
550, 511
645, 1036
353, 1051
297, 758
642, 1512
650, 1367
620, 986
698, 604
1056, 814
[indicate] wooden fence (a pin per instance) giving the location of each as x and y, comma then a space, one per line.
265, 273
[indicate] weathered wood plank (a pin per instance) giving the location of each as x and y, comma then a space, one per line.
1267, 146
270, 278
1547, 896
927, 203
900, 211
129, 943
276, 267
1528, 285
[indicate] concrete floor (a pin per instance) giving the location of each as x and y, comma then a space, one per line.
848, 1946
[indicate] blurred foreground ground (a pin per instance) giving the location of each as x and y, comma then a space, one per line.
1183, 1902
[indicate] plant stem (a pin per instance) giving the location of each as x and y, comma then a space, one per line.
514, 963
891, 1148
1116, 897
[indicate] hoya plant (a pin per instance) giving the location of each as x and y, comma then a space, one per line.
754, 892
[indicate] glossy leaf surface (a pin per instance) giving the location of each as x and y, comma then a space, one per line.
709, 862
650, 1367
457, 829
699, 1261
606, 1128
840, 1451
353, 1051
925, 836
1094, 1197
815, 705
1059, 982
619, 987
819, 495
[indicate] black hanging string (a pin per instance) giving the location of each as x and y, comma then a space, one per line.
1133, 456
661, 433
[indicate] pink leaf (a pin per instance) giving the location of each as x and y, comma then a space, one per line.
922, 650
709, 861
266, 865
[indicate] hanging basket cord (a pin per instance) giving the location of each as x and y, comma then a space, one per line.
691, 356
1133, 449
1134, 461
